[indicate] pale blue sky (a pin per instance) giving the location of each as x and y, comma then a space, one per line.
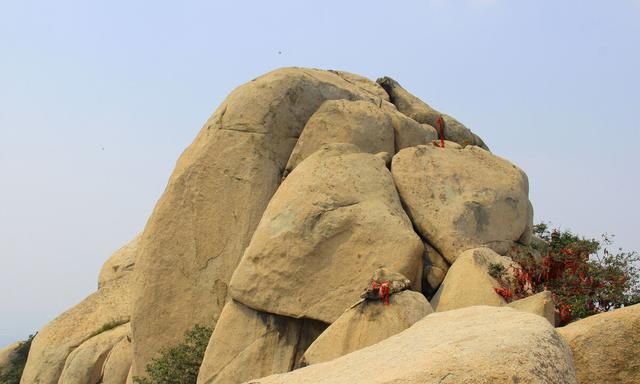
99, 98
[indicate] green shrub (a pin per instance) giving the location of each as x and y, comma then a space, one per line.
584, 277
179, 364
496, 270
13, 373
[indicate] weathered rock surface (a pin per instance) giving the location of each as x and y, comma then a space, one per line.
408, 132
109, 306
120, 263
470, 345
216, 196
84, 365
57, 340
468, 282
540, 304
463, 198
605, 346
435, 268
421, 112
364, 85
457, 132
116, 368
367, 323
247, 344
360, 123
334, 221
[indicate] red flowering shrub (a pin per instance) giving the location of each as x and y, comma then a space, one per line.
582, 275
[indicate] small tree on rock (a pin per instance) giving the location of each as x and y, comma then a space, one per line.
584, 277
179, 364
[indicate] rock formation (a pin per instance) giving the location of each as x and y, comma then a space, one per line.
216, 196
72, 348
299, 187
367, 323
468, 282
605, 346
462, 198
335, 219
541, 304
470, 345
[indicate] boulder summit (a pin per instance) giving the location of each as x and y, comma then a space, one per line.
297, 192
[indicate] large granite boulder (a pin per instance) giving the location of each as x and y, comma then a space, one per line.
605, 346
216, 196
248, 344
367, 323
470, 345
334, 221
468, 282
462, 198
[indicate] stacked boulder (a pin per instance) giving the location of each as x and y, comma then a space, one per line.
300, 186
91, 342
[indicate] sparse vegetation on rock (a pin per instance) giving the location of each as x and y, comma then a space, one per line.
18, 358
584, 277
179, 364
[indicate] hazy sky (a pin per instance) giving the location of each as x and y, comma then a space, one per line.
99, 98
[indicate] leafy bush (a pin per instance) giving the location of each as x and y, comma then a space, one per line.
584, 277
179, 364
13, 373
496, 270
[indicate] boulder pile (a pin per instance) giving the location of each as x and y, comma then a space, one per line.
336, 227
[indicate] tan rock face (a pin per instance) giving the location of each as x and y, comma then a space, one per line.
57, 340
360, 123
365, 85
408, 104
468, 282
248, 344
540, 304
108, 307
334, 221
462, 198
120, 263
470, 345
216, 196
605, 346
366, 324
84, 365
456, 131
421, 112
116, 368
